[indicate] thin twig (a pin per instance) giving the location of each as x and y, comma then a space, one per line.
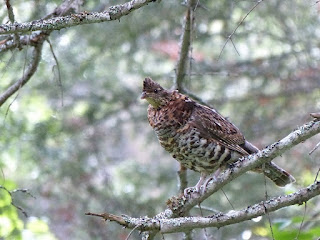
208, 209
18, 91
57, 23
205, 230
227, 198
58, 69
315, 179
266, 198
301, 224
127, 238
33, 65
234, 31
12, 203
315, 148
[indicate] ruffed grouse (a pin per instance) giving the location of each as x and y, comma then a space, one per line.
198, 136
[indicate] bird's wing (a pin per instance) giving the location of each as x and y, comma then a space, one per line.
215, 127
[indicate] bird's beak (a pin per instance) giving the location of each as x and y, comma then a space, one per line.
143, 95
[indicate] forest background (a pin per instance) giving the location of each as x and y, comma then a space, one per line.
75, 136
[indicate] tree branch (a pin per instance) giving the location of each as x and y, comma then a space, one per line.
33, 65
31, 40
11, 196
168, 221
164, 225
232, 217
185, 46
57, 23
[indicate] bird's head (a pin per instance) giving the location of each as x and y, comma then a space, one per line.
156, 95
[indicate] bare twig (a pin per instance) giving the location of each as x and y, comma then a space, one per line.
58, 69
57, 23
35, 59
266, 198
127, 238
18, 91
315, 148
234, 31
12, 203
301, 224
226, 196
315, 179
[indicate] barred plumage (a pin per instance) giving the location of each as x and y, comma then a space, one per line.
197, 136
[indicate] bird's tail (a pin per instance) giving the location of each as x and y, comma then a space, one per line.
278, 175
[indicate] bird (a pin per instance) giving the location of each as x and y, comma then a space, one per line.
199, 137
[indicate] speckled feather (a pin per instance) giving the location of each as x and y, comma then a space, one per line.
197, 136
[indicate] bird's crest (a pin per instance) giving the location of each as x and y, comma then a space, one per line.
150, 86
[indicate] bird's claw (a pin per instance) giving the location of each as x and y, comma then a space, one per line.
199, 189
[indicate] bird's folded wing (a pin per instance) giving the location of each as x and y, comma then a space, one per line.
215, 127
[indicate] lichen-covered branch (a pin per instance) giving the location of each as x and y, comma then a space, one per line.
164, 225
57, 23
232, 217
32, 40
31, 69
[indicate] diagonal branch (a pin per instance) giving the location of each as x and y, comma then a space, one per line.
33, 65
164, 225
232, 217
57, 23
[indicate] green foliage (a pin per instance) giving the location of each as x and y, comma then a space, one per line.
10, 223
282, 233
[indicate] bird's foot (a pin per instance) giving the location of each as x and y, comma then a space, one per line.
191, 190
197, 189
205, 184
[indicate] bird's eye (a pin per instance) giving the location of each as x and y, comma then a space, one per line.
155, 91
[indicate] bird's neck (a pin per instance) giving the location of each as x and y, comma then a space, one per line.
153, 103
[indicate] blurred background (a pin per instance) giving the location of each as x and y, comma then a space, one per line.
87, 145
